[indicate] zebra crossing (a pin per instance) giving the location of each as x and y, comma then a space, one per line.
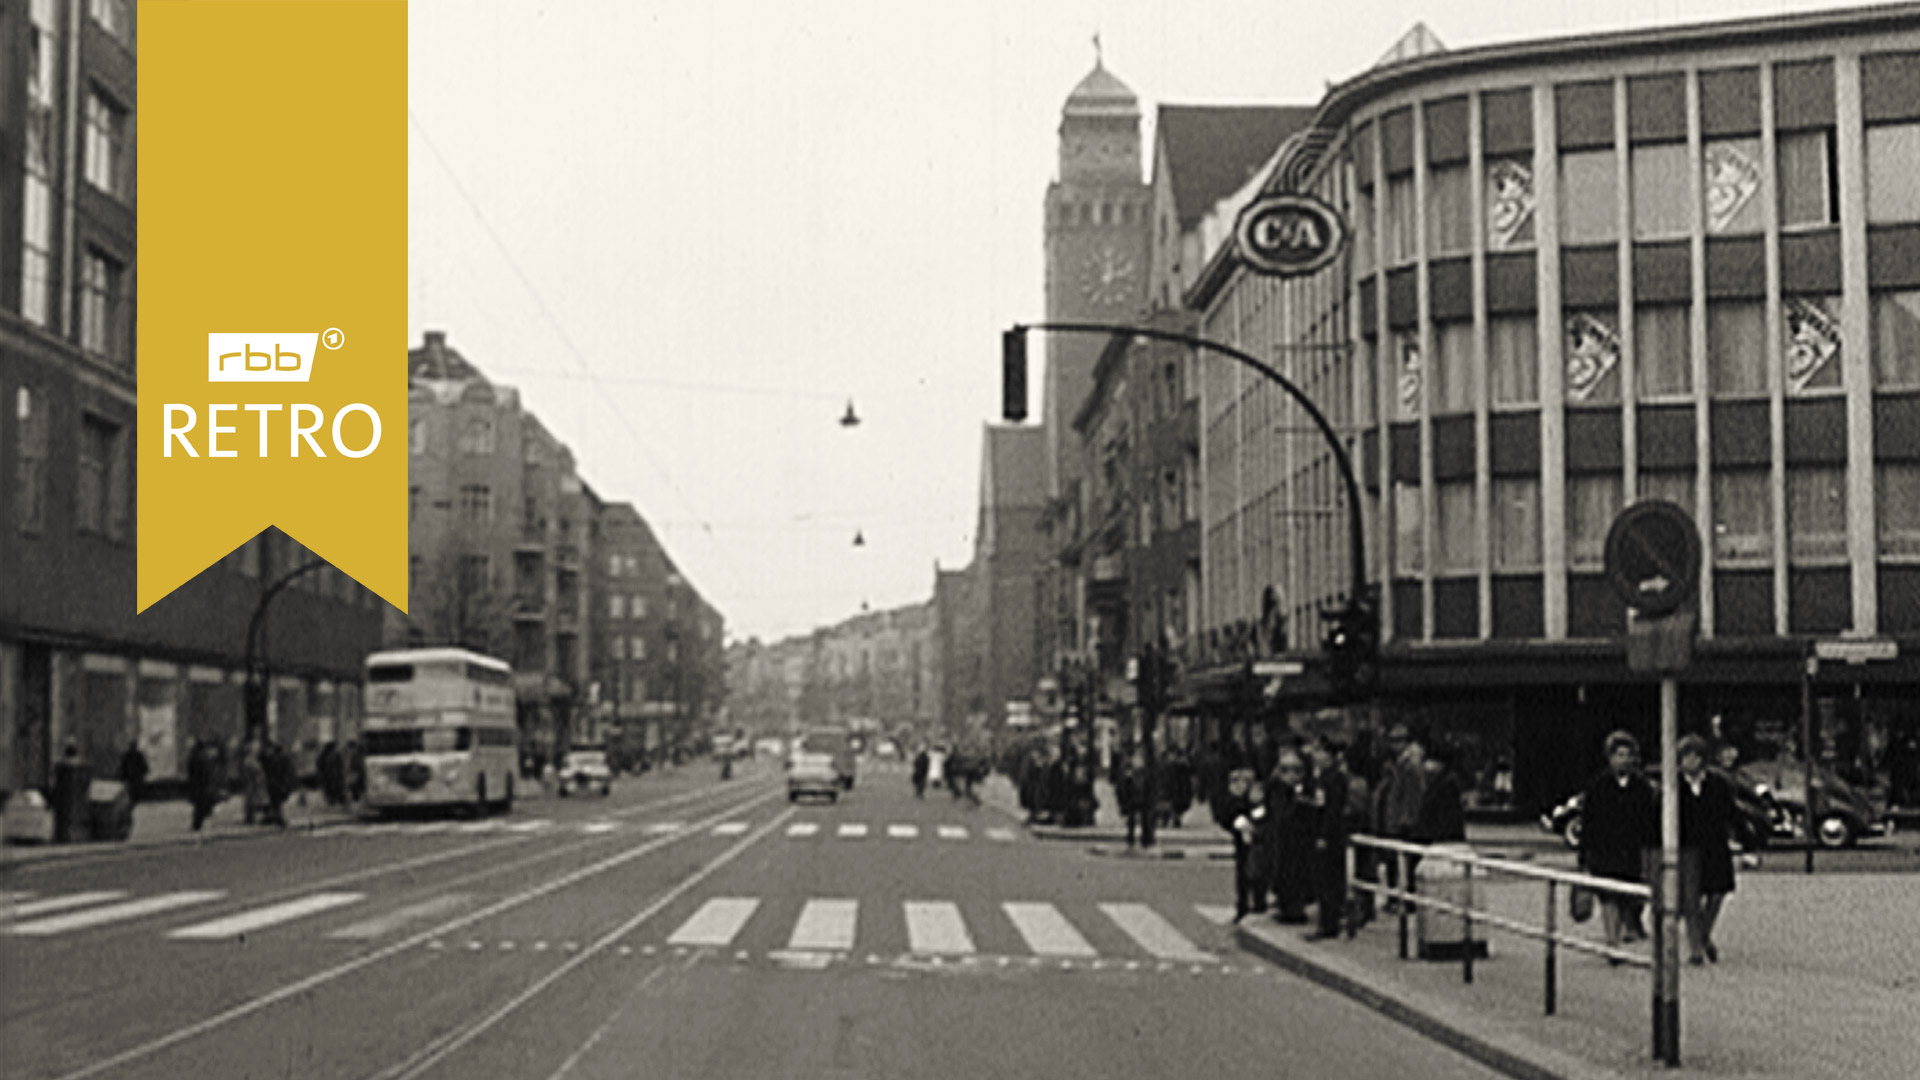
822, 930
799, 830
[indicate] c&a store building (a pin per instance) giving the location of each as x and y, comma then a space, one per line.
1679, 264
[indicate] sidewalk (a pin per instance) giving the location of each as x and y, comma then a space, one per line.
1198, 837
1818, 977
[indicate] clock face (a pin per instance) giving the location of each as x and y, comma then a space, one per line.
1106, 277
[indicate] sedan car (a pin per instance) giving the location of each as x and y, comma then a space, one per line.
586, 770
812, 773
1846, 815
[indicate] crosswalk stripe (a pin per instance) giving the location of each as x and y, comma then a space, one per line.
999, 834
261, 918
427, 828
852, 830
716, 923
825, 924
903, 832
1153, 933
592, 827
953, 832
659, 828
380, 925
478, 826
1046, 931
936, 927
803, 828
1219, 914
52, 904
730, 828
100, 916
535, 825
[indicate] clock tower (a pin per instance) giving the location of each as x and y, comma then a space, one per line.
1097, 242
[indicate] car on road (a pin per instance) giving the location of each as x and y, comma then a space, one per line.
1846, 815
837, 744
811, 772
586, 770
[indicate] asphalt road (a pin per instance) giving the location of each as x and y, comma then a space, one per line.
683, 927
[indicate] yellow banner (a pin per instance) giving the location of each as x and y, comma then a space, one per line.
272, 285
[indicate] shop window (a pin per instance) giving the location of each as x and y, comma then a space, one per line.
1593, 501
1742, 518
1737, 349
1516, 525
1896, 340
1893, 161
1401, 215
1588, 201
1662, 352
1513, 360
1593, 357
1449, 211
1806, 178
1817, 514
1454, 528
1811, 342
1670, 485
1453, 363
1509, 204
1730, 182
1662, 192
1409, 545
1899, 503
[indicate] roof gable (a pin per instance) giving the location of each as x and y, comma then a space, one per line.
1211, 151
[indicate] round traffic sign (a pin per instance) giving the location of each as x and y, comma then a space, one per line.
1653, 557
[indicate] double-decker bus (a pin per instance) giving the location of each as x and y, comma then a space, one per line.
440, 730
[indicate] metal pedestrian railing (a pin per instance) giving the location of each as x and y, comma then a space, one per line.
1558, 883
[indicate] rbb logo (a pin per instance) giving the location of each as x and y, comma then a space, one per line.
266, 357
1289, 235
284, 357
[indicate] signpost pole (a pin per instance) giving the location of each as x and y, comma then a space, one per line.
1808, 827
1666, 897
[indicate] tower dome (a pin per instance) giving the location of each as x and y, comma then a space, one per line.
1102, 95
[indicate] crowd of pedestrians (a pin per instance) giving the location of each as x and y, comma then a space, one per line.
264, 775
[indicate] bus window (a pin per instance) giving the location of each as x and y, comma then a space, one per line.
390, 673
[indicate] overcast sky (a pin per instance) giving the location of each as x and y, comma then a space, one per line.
689, 232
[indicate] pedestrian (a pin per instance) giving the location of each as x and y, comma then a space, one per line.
1397, 800
1619, 821
356, 762
921, 763
281, 778
1129, 789
203, 781
1179, 786
1442, 817
1707, 824
253, 782
1232, 805
69, 793
1292, 818
133, 772
1366, 866
1331, 791
332, 767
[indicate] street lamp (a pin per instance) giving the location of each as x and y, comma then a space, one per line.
256, 663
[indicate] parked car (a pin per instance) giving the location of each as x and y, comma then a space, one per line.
811, 773
1757, 815
1847, 816
586, 770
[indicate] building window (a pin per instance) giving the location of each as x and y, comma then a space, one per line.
1409, 376
1672, 485
415, 494
1593, 500
1453, 365
100, 306
1662, 192
1401, 211
613, 566
1896, 339
616, 606
30, 460
1742, 518
476, 439
417, 436
1806, 178
1730, 182
1593, 355
1513, 360
105, 138
1811, 343
1363, 232
476, 574
99, 490
1454, 528
1588, 205
1662, 351
476, 503
1893, 161
1449, 211
1817, 514
1516, 525
1409, 545
111, 15
1736, 349
637, 647
1899, 502
1509, 204
638, 605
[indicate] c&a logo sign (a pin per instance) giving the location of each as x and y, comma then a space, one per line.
239, 429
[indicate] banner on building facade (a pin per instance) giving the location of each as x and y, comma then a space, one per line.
273, 260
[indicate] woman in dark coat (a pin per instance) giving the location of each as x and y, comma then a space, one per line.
1619, 819
1707, 820
1233, 808
1291, 813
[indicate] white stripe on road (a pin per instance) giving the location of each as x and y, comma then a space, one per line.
730, 828
953, 832
903, 832
1153, 933
530, 826
1218, 914
479, 826
56, 903
999, 834
852, 831
936, 927
716, 923
100, 916
662, 828
593, 827
803, 828
426, 829
380, 925
825, 924
1047, 932
261, 918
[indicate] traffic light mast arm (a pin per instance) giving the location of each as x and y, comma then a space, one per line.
1356, 541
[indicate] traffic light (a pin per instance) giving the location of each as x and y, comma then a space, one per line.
1351, 640
1013, 374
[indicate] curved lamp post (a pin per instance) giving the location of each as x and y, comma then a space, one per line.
257, 663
